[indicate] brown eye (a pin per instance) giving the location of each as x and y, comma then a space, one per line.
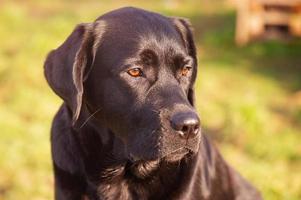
135, 72
185, 70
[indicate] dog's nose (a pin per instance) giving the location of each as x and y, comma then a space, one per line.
186, 124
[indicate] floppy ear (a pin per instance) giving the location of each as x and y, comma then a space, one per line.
67, 66
183, 26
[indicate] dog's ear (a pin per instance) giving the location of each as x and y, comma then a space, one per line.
67, 67
184, 28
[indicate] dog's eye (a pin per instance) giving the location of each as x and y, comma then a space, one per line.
135, 72
185, 70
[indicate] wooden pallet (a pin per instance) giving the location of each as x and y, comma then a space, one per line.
256, 17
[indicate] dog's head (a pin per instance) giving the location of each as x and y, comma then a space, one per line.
134, 71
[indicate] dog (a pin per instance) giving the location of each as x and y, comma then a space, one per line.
128, 128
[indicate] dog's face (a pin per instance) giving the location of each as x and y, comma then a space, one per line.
134, 71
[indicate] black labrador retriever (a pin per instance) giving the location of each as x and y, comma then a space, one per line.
128, 128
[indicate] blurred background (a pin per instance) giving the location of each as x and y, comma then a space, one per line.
249, 97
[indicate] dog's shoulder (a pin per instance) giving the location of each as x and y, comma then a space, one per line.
64, 147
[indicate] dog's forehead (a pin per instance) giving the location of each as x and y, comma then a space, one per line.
137, 20
133, 24
129, 31
162, 44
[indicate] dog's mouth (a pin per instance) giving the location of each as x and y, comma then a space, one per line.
146, 161
177, 155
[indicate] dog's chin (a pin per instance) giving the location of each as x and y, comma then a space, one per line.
144, 169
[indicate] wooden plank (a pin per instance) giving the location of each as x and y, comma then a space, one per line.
276, 18
279, 2
295, 25
242, 32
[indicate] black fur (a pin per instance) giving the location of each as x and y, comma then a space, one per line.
112, 138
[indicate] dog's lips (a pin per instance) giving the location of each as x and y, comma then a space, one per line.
181, 149
170, 151
177, 154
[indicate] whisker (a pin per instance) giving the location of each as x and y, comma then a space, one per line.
85, 122
173, 151
156, 111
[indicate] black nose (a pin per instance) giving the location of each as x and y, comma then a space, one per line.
186, 124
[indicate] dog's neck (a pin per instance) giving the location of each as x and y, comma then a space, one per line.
126, 185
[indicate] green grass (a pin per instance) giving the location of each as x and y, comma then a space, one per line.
247, 97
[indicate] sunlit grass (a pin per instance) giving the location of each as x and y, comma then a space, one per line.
247, 97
